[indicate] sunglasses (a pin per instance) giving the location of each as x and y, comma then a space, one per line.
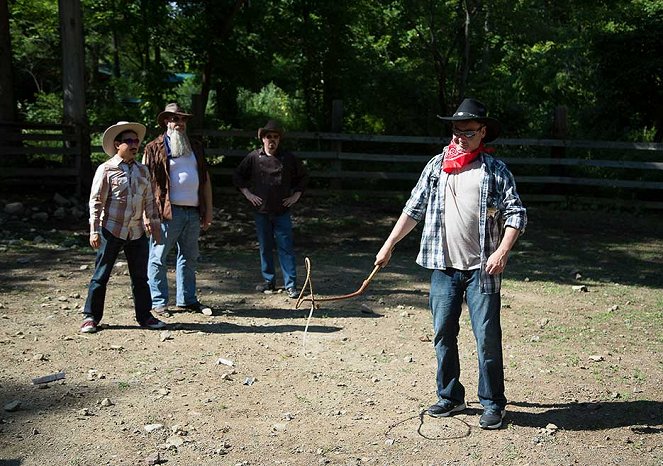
131, 141
176, 118
271, 136
466, 134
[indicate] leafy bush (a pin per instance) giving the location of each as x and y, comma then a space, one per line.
271, 102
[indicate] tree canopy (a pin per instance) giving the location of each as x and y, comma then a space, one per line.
395, 64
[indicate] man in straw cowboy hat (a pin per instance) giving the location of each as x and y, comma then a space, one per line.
272, 180
183, 189
472, 218
122, 211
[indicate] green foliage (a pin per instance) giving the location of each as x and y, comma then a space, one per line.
394, 64
271, 102
46, 108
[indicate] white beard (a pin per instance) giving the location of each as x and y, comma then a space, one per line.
179, 143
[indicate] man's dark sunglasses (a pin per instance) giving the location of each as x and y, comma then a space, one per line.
131, 141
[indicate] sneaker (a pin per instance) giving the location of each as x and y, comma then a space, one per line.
153, 323
88, 325
161, 311
197, 307
491, 418
292, 292
444, 408
265, 287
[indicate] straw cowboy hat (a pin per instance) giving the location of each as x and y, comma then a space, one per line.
472, 109
120, 127
272, 126
171, 109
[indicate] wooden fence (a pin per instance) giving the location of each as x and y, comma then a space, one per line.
551, 169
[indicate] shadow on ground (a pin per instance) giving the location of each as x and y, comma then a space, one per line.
644, 415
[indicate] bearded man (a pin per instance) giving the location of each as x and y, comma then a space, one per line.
183, 190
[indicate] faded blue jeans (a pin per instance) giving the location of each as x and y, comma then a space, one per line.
448, 289
276, 230
183, 231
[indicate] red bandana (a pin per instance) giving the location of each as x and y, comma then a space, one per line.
454, 159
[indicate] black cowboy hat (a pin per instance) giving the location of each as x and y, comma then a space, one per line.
472, 109
171, 109
272, 126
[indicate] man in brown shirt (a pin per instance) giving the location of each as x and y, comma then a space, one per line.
273, 180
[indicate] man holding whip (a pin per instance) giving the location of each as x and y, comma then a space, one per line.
472, 218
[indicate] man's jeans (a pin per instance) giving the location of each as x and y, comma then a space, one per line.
136, 252
446, 297
182, 230
277, 229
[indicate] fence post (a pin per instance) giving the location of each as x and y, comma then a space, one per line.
337, 146
198, 111
559, 131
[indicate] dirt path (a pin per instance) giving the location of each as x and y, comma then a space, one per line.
584, 369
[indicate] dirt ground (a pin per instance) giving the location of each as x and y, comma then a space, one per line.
582, 322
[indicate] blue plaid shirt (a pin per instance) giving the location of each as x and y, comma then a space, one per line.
500, 206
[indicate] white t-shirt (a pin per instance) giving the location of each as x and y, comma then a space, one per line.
462, 249
184, 181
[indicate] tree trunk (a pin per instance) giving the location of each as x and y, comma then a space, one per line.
222, 32
465, 64
7, 102
73, 85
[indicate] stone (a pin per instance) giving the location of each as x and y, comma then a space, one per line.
76, 212
175, 441
60, 200
40, 216
581, 288
12, 406
14, 208
152, 427
106, 402
225, 362
153, 459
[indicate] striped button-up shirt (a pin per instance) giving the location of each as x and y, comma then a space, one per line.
121, 194
499, 207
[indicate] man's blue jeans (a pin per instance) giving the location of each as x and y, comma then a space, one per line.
276, 230
136, 252
448, 288
182, 230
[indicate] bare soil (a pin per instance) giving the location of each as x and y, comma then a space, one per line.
583, 365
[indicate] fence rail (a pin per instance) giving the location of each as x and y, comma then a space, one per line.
52, 154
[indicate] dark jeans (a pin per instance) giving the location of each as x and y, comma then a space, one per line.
136, 252
448, 288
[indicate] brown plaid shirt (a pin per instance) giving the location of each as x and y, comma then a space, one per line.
120, 194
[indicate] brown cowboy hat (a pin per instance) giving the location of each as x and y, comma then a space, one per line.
272, 126
171, 109
472, 109
118, 128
